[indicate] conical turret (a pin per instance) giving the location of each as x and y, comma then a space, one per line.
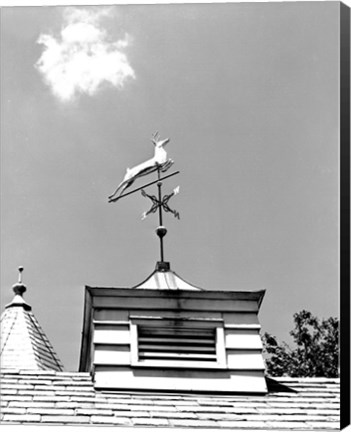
24, 345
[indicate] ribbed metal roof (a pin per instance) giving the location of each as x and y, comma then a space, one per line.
165, 278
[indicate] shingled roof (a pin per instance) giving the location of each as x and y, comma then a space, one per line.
35, 391
69, 398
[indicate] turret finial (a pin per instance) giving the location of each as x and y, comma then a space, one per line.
20, 270
19, 289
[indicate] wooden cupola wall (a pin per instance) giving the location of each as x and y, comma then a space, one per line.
168, 335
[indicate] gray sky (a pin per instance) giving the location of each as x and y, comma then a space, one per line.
248, 94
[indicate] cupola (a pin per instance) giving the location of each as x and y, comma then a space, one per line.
170, 337
165, 334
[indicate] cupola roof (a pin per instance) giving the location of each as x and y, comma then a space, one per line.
165, 278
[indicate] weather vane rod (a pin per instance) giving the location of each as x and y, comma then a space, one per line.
160, 164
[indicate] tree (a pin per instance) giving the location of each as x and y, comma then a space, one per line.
315, 353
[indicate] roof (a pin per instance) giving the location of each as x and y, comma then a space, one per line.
165, 278
69, 398
23, 343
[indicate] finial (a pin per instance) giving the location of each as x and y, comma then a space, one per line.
19, 289
20, 270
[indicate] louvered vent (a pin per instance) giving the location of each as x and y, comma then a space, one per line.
172, 343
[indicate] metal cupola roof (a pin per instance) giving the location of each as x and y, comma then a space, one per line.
165, 278
24, 344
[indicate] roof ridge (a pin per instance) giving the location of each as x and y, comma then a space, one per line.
305, 379
45, 340
8, 334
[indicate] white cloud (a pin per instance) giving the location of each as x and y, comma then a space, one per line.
83, 58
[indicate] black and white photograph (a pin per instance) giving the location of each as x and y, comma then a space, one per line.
170, 215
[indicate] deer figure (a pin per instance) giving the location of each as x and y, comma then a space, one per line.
159, 161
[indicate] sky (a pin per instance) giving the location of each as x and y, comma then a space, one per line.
247, 94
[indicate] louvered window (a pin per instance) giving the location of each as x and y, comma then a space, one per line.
177, 344
162, 343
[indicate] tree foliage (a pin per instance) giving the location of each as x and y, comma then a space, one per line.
315, 353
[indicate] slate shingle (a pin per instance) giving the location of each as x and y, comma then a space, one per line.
23, 342
38, 397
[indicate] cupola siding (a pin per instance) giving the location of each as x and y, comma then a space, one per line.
173, 339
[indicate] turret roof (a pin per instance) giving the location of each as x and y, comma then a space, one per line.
24, 344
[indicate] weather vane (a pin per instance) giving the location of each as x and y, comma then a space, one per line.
160, 164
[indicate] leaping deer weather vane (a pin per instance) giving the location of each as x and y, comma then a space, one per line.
160, 164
